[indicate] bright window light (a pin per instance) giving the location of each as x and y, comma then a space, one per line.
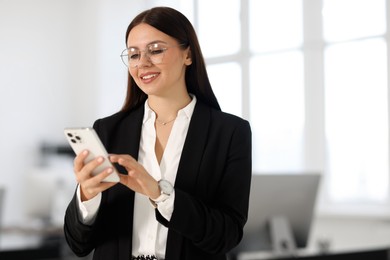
356, 107
275, 25
277, 111
225, 79
349, 19
219, 33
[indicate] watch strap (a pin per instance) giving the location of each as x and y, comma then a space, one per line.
163, 197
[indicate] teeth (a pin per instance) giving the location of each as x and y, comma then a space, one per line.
149, 76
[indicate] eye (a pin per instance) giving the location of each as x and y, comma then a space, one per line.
156, 49
134, 56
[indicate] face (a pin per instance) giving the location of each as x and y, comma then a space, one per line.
167, 75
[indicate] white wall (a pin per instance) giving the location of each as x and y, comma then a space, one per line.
59, 67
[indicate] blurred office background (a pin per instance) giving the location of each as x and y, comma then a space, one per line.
312, 77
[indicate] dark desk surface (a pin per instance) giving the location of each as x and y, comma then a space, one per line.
20, 237
21, 243
363, 254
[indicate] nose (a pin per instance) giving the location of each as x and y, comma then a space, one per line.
144, 60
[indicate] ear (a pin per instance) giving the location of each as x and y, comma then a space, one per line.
188, 59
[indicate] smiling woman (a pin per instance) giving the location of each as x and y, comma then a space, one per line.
179, 157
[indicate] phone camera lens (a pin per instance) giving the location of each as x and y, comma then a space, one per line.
70, 135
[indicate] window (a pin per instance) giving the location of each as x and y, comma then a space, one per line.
276, 84
312, 78
227, 88
277, 111
356, 100
275, 25
221, 32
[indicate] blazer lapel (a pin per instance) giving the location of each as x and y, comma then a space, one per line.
193, 148
188, 169
130, 132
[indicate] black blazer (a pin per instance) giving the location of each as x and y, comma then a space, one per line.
211, 190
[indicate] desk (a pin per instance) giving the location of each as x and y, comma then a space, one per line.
368, 254
22, 243
18, 243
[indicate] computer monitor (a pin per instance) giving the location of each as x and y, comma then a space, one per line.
47, 192
281, 209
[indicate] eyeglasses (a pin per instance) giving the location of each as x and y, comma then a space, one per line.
154, 52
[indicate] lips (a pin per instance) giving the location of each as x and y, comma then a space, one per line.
148, 76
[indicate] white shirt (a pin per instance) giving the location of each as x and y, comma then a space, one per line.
149, 236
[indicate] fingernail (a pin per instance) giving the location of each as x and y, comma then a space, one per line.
100, 159
109, 170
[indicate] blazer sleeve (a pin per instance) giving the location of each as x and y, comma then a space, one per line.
110, 235
80, 237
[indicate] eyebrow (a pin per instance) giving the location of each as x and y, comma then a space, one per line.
153, 42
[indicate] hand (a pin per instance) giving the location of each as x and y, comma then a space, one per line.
90, 185
137, 178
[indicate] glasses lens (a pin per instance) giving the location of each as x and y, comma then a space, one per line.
133, 57
125, 57
156, 53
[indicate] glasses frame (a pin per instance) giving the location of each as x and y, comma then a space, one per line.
125, 55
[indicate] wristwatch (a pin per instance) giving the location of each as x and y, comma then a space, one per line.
166, 190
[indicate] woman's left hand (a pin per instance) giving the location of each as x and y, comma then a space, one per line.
137, 178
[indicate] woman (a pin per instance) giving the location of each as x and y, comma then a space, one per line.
185, 165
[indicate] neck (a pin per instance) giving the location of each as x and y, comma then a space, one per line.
166, 108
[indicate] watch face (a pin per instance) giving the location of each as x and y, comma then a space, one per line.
166, 187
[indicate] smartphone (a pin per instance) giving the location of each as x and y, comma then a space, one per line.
85, 138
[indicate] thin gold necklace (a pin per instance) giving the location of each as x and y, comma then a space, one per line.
164, 123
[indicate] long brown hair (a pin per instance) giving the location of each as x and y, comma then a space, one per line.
176, 25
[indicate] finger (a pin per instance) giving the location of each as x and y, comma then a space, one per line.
104, 174
124, 160
97, 185
116, 157
86, 171
88, 192
92, 186
131, 183
79, 160
137, 178
125, 179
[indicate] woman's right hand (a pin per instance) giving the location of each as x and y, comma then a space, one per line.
90, 185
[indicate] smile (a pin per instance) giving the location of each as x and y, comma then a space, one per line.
149, 76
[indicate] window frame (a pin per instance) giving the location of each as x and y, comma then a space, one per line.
314, 148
